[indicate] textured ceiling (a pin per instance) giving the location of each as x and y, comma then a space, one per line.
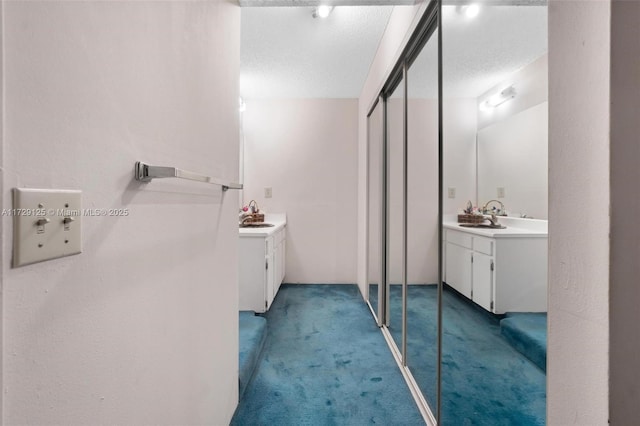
287, 53
481, 52
280, 3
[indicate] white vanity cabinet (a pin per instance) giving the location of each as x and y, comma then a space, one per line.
458, 261
261, 261
501, 272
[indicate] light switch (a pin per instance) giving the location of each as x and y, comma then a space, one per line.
452, 192
268, 193
500, 192
46, 224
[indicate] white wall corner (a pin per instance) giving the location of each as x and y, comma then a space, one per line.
579, 223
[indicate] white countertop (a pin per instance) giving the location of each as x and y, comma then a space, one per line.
278, 220
515, 227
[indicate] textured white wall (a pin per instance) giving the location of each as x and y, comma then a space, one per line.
306, 151
459, 162
579, 96
141, 328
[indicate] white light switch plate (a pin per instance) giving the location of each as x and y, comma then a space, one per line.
40, 231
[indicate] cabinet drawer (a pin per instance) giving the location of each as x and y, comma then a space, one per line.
459, 238
483, 245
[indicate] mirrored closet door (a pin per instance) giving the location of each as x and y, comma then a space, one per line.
463, 121
403, 237
395, 211
375, 207
422, 219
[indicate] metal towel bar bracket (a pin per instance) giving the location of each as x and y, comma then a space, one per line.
145, 173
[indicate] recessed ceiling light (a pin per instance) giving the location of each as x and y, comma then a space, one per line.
472, 10
469, 10
322, 11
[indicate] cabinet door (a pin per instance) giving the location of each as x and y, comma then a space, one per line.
252, 274
276, 266
281, 254
458, 268
483, 280
269, 271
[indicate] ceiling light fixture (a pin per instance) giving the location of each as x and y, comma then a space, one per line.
472, 10
469, 10
322, 11
498, 99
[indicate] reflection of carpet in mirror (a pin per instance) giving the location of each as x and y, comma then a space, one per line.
485, 381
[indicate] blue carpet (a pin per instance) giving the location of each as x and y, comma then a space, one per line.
325, 363
253, 333
527, 332
485, 381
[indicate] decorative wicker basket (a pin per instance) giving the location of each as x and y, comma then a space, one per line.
470, 218
253, 218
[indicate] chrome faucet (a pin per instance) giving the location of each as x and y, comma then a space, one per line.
501, 211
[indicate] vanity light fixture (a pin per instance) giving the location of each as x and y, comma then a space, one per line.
322, 11
498, 99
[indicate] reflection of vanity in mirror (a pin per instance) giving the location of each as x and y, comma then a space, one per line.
495, 280
505, 270
502, 270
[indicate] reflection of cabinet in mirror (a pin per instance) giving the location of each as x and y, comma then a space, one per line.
502, 272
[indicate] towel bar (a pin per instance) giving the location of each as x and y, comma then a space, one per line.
145, 173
